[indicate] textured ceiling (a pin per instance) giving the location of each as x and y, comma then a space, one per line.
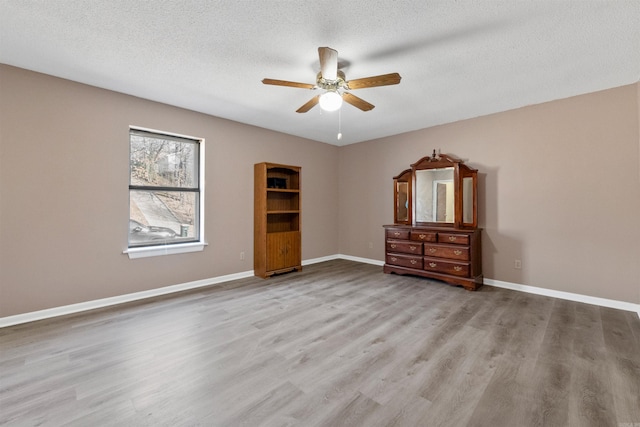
457, 59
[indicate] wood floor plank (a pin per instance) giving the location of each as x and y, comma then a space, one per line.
260, 408
624, 375
339, 343
621, 334
519, 332
357, 410
403, 410
590, 397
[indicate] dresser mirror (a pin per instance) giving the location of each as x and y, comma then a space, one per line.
438, 190
435, 195
468, 201
402, 197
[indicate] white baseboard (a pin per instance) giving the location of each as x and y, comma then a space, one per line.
620, 305
321, 259
341, 256
362, 260
106, 302
604, 302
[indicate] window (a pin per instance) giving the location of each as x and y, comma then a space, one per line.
165, 194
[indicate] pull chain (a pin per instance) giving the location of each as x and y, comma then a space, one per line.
339, 124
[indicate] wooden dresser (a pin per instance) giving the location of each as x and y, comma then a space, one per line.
435, 232
448, 254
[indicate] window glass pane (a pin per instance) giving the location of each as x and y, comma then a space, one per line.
163, 162
162, 217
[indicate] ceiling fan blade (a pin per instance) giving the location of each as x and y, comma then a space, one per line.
309, 105
357, 102
288, 83
328, 63
382, 80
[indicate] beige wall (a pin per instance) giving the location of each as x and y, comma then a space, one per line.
64, 198
559, 189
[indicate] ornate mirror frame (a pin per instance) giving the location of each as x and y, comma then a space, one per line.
465, 190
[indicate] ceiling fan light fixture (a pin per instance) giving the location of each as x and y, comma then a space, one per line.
330, 101
331, 81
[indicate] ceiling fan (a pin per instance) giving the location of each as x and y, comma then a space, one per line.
336, 89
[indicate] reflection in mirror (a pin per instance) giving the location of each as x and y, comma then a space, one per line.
434, 195
402, 209
467, 200
443, 201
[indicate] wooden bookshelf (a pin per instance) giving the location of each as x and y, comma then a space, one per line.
276, 220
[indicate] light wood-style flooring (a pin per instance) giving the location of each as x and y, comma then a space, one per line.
338, 344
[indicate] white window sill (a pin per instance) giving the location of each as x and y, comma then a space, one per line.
150, 251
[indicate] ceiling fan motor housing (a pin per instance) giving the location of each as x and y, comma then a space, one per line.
332, 85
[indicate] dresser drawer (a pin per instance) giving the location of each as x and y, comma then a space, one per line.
447, 251
397, 234
405, 260
424, 236
404, 247
448, 267
454, 238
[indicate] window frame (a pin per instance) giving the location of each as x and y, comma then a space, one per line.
164, 248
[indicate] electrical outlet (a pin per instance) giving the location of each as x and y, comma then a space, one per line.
370, 245
517, 264
242, 256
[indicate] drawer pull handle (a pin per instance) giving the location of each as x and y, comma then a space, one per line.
413, 248
457, 268
394, 259
457, 252
452, 238
432, 264
432, 250
397, 233
422, 236
414, 262
393, 246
